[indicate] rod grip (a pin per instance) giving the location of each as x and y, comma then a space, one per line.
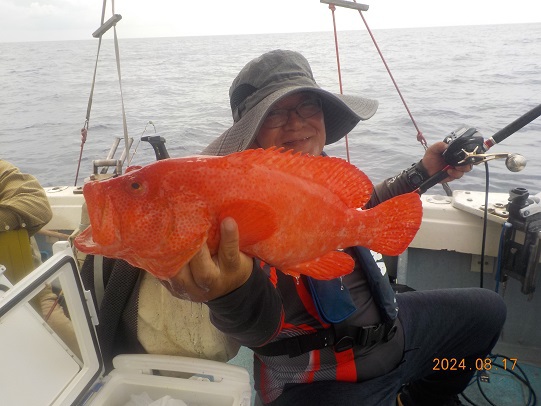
433, 180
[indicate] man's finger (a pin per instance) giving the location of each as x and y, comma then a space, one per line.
203, 271
229, 255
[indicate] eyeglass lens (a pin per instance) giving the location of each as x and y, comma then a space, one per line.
305, 109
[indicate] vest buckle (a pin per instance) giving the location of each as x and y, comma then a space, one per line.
345, 343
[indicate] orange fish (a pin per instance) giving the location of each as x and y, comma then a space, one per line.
293, 211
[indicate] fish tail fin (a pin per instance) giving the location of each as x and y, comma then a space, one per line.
389, 227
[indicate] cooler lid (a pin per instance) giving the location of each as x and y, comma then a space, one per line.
49, 357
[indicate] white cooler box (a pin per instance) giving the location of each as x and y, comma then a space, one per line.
38, 367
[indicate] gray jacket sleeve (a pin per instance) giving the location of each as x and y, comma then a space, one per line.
389, 188
252, 314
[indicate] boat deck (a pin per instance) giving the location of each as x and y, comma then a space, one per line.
505, 387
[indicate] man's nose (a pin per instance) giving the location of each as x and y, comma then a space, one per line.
293, 118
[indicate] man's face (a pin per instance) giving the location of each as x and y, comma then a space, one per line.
297, 133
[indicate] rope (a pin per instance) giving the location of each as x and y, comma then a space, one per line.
420, 136
333, 8
84, 130
139, 141
117, 55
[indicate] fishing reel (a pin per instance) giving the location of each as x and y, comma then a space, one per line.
464, 144
467, 147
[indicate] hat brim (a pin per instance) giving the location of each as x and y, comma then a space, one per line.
341, 112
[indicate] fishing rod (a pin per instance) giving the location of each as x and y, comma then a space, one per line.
467, 147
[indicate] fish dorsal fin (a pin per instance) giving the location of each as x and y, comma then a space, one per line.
348, 182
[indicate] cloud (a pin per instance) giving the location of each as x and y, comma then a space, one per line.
31, 20
23, 20
44, 10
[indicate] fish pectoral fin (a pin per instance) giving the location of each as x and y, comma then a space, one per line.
257, 221
329, 266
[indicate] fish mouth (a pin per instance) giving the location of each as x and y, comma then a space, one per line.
101, 213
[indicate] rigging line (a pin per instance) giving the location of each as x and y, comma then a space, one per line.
84, 130
333, 8
103, 11
139, 141
420, 136
117, 56
124, 123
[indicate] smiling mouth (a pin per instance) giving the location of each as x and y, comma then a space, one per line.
296, 141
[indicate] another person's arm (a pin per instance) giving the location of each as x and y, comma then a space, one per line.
23, 202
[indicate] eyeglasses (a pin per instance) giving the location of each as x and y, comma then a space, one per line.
305, 109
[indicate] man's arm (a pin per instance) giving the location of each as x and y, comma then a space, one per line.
243, 302
431, 164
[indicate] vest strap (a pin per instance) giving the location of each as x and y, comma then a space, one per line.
341, 336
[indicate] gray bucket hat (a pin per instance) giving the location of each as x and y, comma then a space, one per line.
268, 79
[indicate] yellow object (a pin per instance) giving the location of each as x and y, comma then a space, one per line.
16, 254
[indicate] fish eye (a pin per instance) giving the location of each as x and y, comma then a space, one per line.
135, 185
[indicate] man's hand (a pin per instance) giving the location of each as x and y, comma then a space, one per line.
433, 162
208, 277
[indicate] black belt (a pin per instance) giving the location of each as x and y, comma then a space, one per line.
342, 337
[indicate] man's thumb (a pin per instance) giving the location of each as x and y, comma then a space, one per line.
229, 243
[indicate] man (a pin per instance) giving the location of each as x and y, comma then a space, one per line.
300, 356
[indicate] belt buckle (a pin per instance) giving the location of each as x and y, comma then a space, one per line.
366, 335
371, 335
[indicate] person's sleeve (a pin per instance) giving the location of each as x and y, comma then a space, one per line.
251, 314
391, 187
23, 202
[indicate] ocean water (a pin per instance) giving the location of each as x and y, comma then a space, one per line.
480, 76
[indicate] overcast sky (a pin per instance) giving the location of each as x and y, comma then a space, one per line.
50, 20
